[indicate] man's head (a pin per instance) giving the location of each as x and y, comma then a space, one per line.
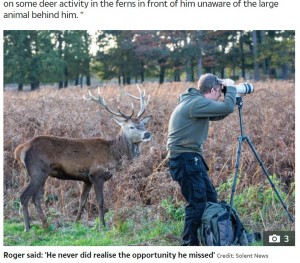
210, 86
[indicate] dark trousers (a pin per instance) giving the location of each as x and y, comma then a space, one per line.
190, 171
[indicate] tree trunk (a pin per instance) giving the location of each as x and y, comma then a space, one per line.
285, 74
88, 79
66, 82
242, 55
119, 79
200, 46
20, 86
264, 62
199, 66
177, 74
162, 70
87, 59
35, 85
255, 61
188, 70
60, 54
81, 81
142, 71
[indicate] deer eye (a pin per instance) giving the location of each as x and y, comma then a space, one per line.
131, 127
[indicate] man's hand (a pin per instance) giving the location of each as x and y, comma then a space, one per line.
227, 82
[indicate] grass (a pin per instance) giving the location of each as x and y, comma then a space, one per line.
119, 233
140, 225
265, 206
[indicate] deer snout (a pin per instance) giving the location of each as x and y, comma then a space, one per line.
147, 136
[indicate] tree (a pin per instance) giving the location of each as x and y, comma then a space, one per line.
255, 60
15, 62
118, 59
73, 52
150, 49
199, 36
27, 56
242, 54
277, 52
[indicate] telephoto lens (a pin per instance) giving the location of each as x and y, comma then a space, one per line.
244, 88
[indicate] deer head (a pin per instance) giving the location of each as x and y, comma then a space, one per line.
132, 128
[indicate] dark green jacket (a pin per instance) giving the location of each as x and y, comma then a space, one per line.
189, 122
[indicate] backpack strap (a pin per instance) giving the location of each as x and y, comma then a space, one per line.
237, 223
238, 226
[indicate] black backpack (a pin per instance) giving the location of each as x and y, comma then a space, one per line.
217, 230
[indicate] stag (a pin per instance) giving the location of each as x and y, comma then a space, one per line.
91, 160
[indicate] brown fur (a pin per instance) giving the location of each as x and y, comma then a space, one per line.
89, 160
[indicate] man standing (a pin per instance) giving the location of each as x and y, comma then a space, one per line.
188, 129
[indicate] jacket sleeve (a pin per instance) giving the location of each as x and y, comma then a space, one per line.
215, 110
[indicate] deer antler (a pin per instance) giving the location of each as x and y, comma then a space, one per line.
100, 100
143, 101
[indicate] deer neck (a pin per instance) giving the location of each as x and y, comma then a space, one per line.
121, 146
136, 150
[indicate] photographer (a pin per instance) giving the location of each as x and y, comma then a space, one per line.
188, 129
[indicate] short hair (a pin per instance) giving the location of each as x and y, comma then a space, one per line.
207, 81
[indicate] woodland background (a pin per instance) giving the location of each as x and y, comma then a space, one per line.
75, 57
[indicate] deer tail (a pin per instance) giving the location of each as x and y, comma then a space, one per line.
20, 152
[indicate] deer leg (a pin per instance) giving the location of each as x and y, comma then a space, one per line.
37, 202
83, 198
25, 197
98, 186
38, 176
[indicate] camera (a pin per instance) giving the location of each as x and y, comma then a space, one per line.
243, 88
274, 239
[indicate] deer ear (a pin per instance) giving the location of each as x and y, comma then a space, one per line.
146, 120
121, 121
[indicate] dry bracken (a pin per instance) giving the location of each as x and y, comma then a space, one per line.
269, 119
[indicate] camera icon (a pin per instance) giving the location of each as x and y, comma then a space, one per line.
274, 238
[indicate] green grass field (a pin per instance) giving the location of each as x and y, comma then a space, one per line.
121, 232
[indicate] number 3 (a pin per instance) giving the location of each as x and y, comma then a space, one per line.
286, 238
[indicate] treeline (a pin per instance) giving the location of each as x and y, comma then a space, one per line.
35, 57
60, 56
